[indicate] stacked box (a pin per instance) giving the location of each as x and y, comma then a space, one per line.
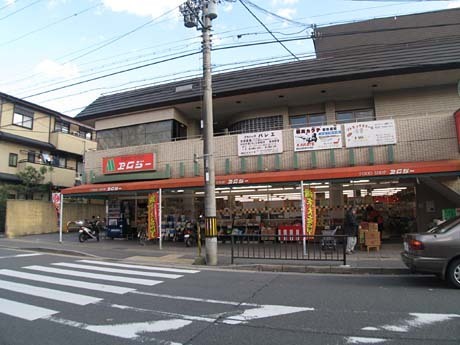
372, 238
373, 226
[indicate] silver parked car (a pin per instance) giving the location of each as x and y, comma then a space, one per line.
435, 251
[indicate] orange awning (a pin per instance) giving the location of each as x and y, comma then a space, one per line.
382, 170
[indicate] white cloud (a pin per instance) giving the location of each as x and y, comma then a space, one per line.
143, 8
54, 69
453, 4
9, 2
228, 7
284, 2
286, 12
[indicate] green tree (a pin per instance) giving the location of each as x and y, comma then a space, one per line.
32, 181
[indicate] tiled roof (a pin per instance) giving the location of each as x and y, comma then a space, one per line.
361, 63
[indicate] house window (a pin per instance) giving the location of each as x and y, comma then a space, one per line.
13, 160
355, 115
85, 133
61, 126
23, 118
307, 120
31, 157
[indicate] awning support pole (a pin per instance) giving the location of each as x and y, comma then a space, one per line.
159, 219
61, 207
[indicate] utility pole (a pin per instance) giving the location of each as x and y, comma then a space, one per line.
199, 14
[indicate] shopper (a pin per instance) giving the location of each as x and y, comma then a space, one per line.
351, 229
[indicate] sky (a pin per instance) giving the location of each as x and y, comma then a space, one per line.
64, 54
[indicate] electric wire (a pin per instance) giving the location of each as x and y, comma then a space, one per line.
18, 10
242, 2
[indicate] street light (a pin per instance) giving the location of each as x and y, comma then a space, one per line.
199, 14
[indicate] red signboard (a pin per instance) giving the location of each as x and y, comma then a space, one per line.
128, 164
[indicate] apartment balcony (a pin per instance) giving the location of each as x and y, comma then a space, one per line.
418, 139
72, 143
61, 177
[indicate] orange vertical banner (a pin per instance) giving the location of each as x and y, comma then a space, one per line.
310, 211
152, 207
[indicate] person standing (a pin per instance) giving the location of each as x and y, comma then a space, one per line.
351, 229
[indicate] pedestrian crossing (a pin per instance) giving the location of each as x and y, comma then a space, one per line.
88, 275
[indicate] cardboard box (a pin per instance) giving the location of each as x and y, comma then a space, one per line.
372, 243
364, 225
373, 226
362, 236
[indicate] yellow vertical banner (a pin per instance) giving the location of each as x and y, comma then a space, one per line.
152, 207
310, 211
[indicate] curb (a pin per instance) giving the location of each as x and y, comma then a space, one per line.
320, 269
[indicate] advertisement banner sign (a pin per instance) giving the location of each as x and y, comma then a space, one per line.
309, 204
261, 143
318, 138
128, 164
56, 197
153, 206
370, 133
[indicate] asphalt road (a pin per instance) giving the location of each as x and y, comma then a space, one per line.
51, 299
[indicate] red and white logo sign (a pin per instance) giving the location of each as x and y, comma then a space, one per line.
127, 164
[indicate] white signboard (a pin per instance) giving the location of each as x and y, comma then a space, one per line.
371, 133
261, 143
318, 138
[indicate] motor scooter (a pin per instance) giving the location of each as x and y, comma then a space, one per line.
89, 230
191, 234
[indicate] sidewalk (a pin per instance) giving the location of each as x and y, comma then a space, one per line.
385, 261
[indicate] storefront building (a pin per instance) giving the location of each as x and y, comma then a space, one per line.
373, 128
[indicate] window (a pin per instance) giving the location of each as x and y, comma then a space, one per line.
61, 126
85, 133
23, 118
13, 160
307, 120
355, 115
258, 124
31, 157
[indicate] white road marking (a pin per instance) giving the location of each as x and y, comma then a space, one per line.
193, 299
127, 280
67, 282
264, 311
133, 331
173, 315
363, 340
20, 255
119, 271
419, 320
24, 311
52, 294
149, 268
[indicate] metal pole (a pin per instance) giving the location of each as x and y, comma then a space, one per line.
159, 218
208, 145
61, 207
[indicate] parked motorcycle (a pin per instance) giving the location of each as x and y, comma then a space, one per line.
191, 235
90, 229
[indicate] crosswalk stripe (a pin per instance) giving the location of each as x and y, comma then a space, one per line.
24, 311
128, 280
67, 282
149, 268
115, 270
52, 294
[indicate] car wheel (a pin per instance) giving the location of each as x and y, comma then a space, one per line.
453, 273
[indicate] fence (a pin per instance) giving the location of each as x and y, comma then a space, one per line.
290, 247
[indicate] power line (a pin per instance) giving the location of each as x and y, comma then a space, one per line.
48, 25
18, 10
268, 30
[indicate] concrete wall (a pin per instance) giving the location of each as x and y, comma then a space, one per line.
28, 217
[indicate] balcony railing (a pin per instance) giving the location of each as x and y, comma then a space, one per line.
72, 143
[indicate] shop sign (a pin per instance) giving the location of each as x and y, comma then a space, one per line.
128, 164
153, 212
318, 138
370, 133
309, 206
261, 143
56, 197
